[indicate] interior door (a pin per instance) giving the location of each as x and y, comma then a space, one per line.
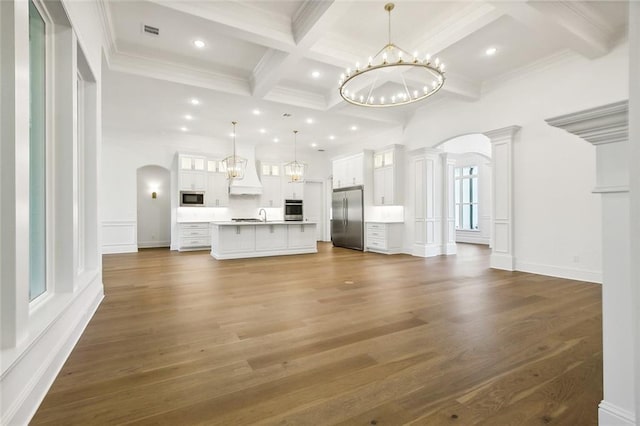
339, 218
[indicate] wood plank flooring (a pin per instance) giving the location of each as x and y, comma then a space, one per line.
341, 337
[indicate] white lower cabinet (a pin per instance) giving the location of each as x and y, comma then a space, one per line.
302, 236
238, 239
384, 237
271, 237
194, 236
229, 241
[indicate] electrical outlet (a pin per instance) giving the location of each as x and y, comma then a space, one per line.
576, 259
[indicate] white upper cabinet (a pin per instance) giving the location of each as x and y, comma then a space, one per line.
191, 174
350, 171
293, 190
271, 178
217, 194
387, 187
192, 162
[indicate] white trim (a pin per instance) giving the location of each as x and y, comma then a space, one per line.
471, 237
501, 261
421, 250
153, 244
125, 242
612, 415
43, 359
559, 271
245, 255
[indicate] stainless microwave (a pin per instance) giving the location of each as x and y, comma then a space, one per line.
192, 198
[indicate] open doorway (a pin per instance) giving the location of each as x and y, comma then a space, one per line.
472, 187
154, 207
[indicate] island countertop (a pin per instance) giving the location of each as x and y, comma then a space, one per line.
269, 222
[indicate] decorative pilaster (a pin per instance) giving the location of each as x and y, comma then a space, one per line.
448, 205
427, 187
606, 127
502, 254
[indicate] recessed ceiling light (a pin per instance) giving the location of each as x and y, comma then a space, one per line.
314, 145
188, 117
256, 112
332, 137
276, 140
263, 131
491, 51
194, 101
199, 44
309, 120
315, 74
354, 128
184, 129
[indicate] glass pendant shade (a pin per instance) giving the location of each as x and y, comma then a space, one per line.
233, 164
294, 169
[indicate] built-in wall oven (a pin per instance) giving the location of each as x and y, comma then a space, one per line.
293, 210
192, 198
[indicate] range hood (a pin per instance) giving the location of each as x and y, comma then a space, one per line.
250, 184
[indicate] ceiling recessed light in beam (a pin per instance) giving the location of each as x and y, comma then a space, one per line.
491, 51
199, 44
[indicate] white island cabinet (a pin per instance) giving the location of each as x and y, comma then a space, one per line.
239, 240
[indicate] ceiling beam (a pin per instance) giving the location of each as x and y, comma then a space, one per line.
573, 24
309, 24
240, 21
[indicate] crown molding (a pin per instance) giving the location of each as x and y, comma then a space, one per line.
179, 73
108, 32
601, 125
296, 97
525, 71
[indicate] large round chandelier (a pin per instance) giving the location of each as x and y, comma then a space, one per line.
392, 77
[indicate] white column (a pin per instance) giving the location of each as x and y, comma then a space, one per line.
606, 128
502, 253
427, 194
448, 205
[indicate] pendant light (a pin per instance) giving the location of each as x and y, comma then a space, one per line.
233, 164
294, 169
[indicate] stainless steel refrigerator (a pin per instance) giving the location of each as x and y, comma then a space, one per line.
347, 225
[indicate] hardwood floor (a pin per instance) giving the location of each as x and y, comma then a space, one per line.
341, 337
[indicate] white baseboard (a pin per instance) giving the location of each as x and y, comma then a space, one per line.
472, 239
119, 236
560, 272
122, 248
425, 250
153, 244
26, 382
502, 261
449, 249
612, 415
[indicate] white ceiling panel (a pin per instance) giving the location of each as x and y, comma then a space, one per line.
177, 34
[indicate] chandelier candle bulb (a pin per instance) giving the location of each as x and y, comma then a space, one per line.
357, 66
370, 61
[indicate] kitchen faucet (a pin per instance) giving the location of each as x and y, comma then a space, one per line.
265, 214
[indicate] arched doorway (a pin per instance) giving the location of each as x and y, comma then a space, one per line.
154, 207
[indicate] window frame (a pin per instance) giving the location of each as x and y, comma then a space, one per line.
459, 205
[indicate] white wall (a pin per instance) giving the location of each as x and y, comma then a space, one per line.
557, 218
38, 336
154, 214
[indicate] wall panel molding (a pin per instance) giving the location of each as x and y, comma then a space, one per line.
119, 237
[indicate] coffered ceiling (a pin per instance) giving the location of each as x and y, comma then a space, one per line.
283, 56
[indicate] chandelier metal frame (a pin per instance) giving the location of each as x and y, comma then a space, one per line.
436, 69
233, 164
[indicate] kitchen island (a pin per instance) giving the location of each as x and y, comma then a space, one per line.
239, 240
